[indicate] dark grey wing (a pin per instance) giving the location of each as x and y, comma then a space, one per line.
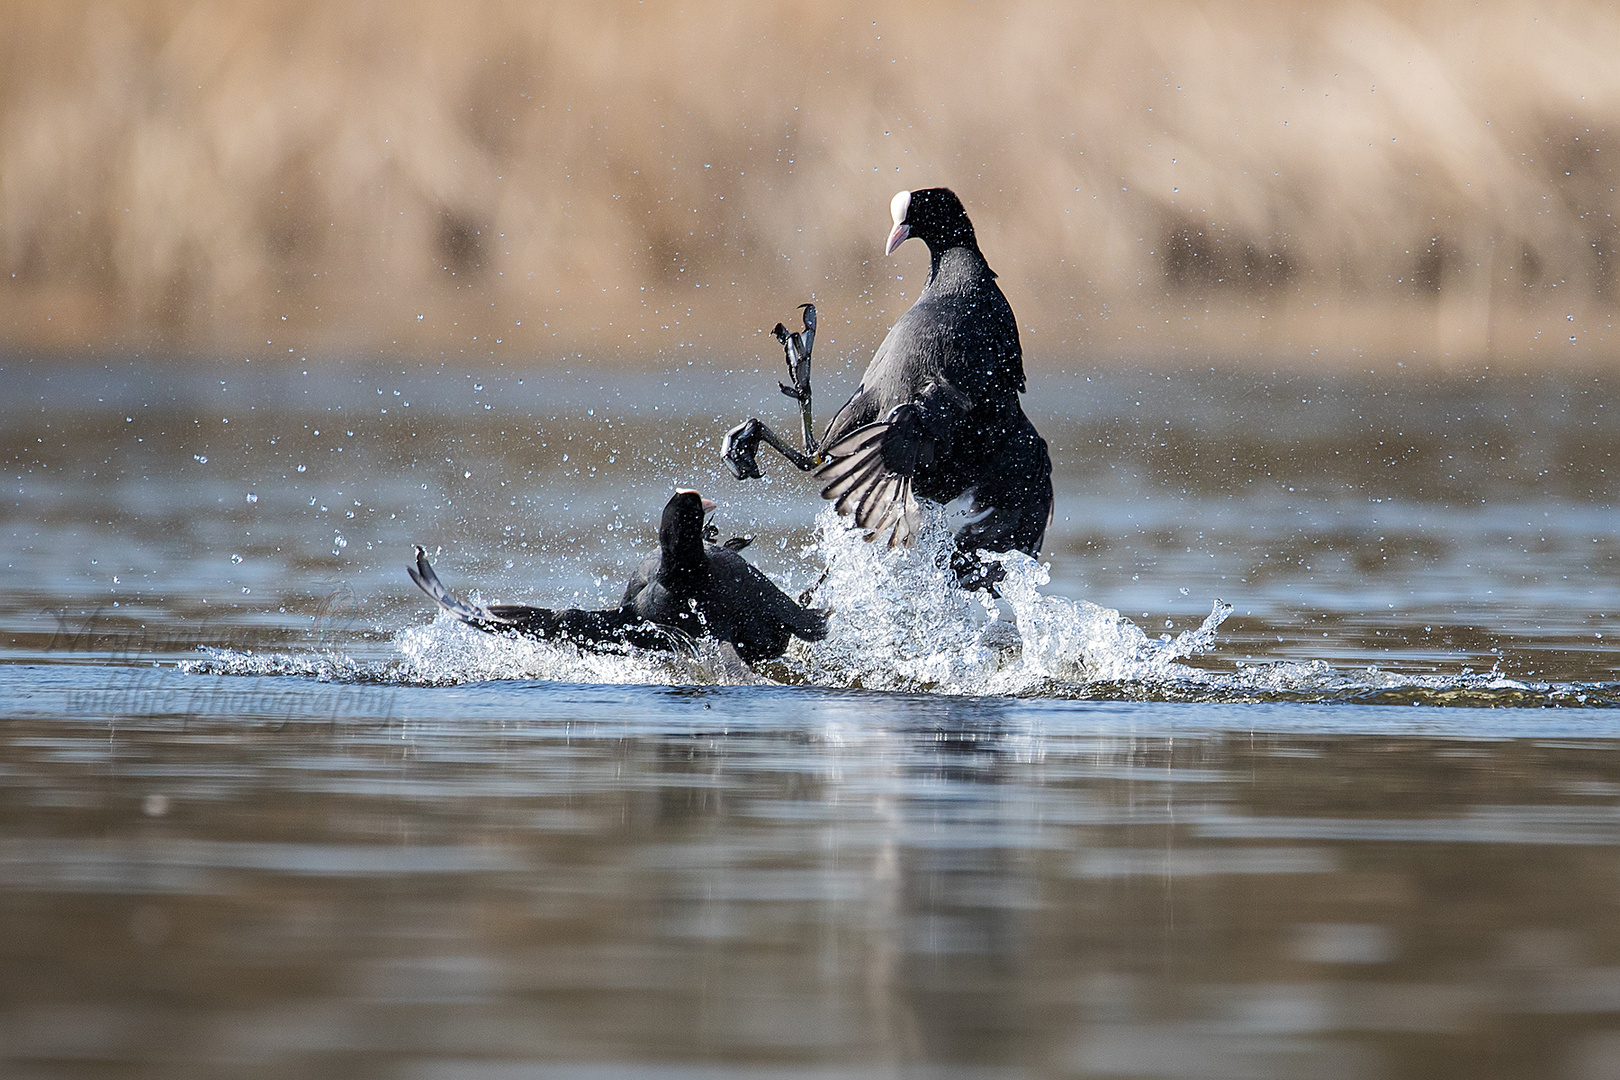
468, 612
997, 329
638, 580
1014, 500
910, 407
612, 626
870, 473
862, 408
743, 605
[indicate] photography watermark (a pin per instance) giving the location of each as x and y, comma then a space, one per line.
335, 614
165, 693
274, 688
118, 633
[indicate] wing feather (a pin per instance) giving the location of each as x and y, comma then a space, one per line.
854, 474
465, 610
861, 478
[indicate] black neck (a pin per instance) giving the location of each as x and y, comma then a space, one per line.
956, 268
682, 560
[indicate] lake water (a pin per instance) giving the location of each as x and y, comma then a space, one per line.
1294, 755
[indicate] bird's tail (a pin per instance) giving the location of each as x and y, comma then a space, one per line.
812, 626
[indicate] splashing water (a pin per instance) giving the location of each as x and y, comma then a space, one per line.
901, 623
447, 652
898, 620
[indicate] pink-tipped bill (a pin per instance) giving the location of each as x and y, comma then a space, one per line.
709, 505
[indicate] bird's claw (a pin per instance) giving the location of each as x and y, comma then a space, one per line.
973, 575
741, 450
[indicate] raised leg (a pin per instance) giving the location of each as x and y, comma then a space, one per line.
796, 346
742, 445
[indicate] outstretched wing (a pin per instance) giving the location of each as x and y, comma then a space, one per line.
468, 612
610, 627
869, 473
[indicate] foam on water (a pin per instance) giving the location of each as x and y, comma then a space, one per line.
447, 652
900, 623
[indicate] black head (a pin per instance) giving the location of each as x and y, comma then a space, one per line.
680, 532
933, 215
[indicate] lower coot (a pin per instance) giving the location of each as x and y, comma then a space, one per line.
688, 589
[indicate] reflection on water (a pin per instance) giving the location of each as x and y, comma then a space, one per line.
279, 876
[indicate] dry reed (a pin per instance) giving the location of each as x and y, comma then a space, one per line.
523, 180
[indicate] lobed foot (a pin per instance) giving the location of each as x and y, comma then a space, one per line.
741, 450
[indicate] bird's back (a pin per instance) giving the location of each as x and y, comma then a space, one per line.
729, 599
740, 593
961, 333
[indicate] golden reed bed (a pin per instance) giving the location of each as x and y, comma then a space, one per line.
1429, 182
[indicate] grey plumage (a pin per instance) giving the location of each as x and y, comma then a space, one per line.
937, 413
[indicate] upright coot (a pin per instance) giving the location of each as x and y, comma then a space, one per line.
688, 589
937, 413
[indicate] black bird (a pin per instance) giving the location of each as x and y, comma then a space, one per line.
689, 589
937, 413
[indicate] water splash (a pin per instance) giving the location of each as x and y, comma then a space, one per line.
900, 623
1080, 641
898, 620
447, 652
323, 666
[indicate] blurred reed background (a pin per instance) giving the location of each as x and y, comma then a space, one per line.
1423, 181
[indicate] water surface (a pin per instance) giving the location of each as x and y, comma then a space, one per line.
1368, 824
